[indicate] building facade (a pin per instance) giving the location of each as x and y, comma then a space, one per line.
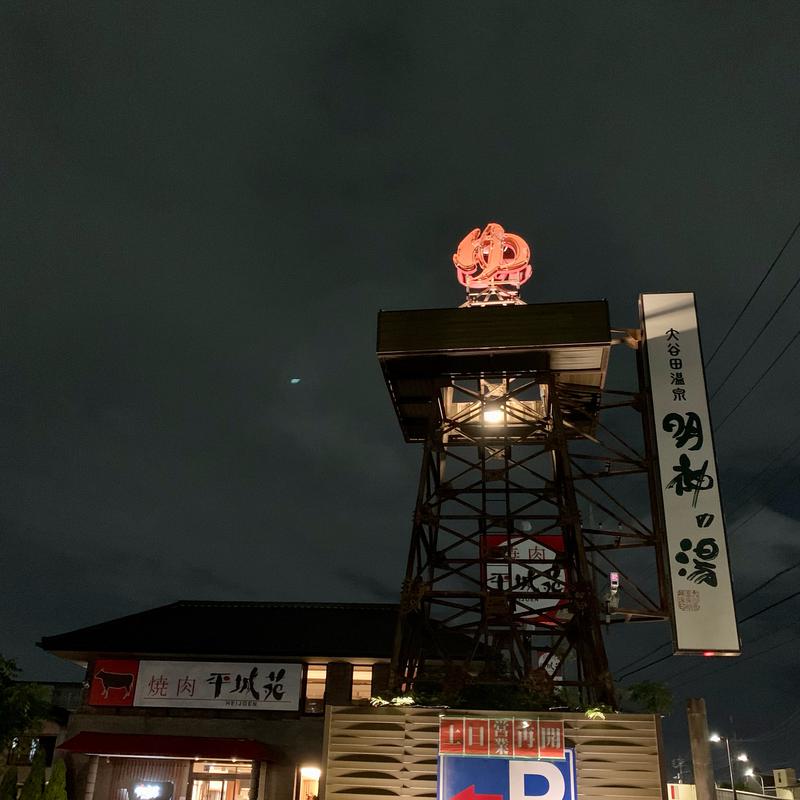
217, 700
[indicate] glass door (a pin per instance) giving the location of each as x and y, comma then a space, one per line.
220, 781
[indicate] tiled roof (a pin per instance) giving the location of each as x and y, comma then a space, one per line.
238, 630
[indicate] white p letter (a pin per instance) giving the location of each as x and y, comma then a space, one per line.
517, 770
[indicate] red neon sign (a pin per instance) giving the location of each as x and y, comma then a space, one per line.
492, 257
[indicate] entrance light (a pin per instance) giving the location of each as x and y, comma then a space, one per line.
147, 791
310, 773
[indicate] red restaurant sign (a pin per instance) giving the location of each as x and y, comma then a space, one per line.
196, 684
113, 683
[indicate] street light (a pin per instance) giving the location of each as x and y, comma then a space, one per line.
715, 737
751, 773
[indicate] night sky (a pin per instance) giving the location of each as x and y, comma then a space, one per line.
203, 201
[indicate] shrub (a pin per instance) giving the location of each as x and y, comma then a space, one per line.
56, 788
8, 784
33, 787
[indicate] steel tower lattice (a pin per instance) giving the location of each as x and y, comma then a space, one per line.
533, 509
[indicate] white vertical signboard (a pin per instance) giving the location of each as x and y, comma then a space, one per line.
704, 619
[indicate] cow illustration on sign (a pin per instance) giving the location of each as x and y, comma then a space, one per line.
114, 680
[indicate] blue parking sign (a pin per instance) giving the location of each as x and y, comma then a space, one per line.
477, 778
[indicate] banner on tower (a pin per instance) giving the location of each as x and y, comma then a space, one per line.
703, 615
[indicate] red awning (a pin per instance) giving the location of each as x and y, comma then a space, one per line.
133, 744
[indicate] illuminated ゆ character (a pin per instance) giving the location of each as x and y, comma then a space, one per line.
492, 256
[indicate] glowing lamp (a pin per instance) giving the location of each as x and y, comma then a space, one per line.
742, 757
310, 773
709, 653
147, 791
151, 790
715, 737
750, 772
493, 415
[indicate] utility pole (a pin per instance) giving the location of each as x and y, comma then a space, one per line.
701, 749
679, 764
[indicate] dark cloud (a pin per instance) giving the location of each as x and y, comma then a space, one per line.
199, 203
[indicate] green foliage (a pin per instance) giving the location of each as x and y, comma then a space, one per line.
503, 697
649, 697
480, 696
33, 787
8, 784
22, 705
598, 712
56, 788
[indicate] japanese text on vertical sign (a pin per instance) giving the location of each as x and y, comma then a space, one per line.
695, 533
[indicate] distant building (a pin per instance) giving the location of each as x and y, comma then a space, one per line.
217, 700
64, 698
786, 785
782, 783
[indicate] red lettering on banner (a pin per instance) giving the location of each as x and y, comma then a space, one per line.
526, 738
476, 737
451, 735
503, 738
551, 739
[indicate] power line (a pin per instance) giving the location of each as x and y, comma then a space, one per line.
761, 378
768, 581
754, 293
711, 358
740, 622
737, 659
769, 607
754, 482
645, 666
764, 507
737, 662
775, 731
749, 347
644, 656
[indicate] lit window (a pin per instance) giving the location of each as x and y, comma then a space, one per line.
23, 750
315, 688
362, 685
220, 780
